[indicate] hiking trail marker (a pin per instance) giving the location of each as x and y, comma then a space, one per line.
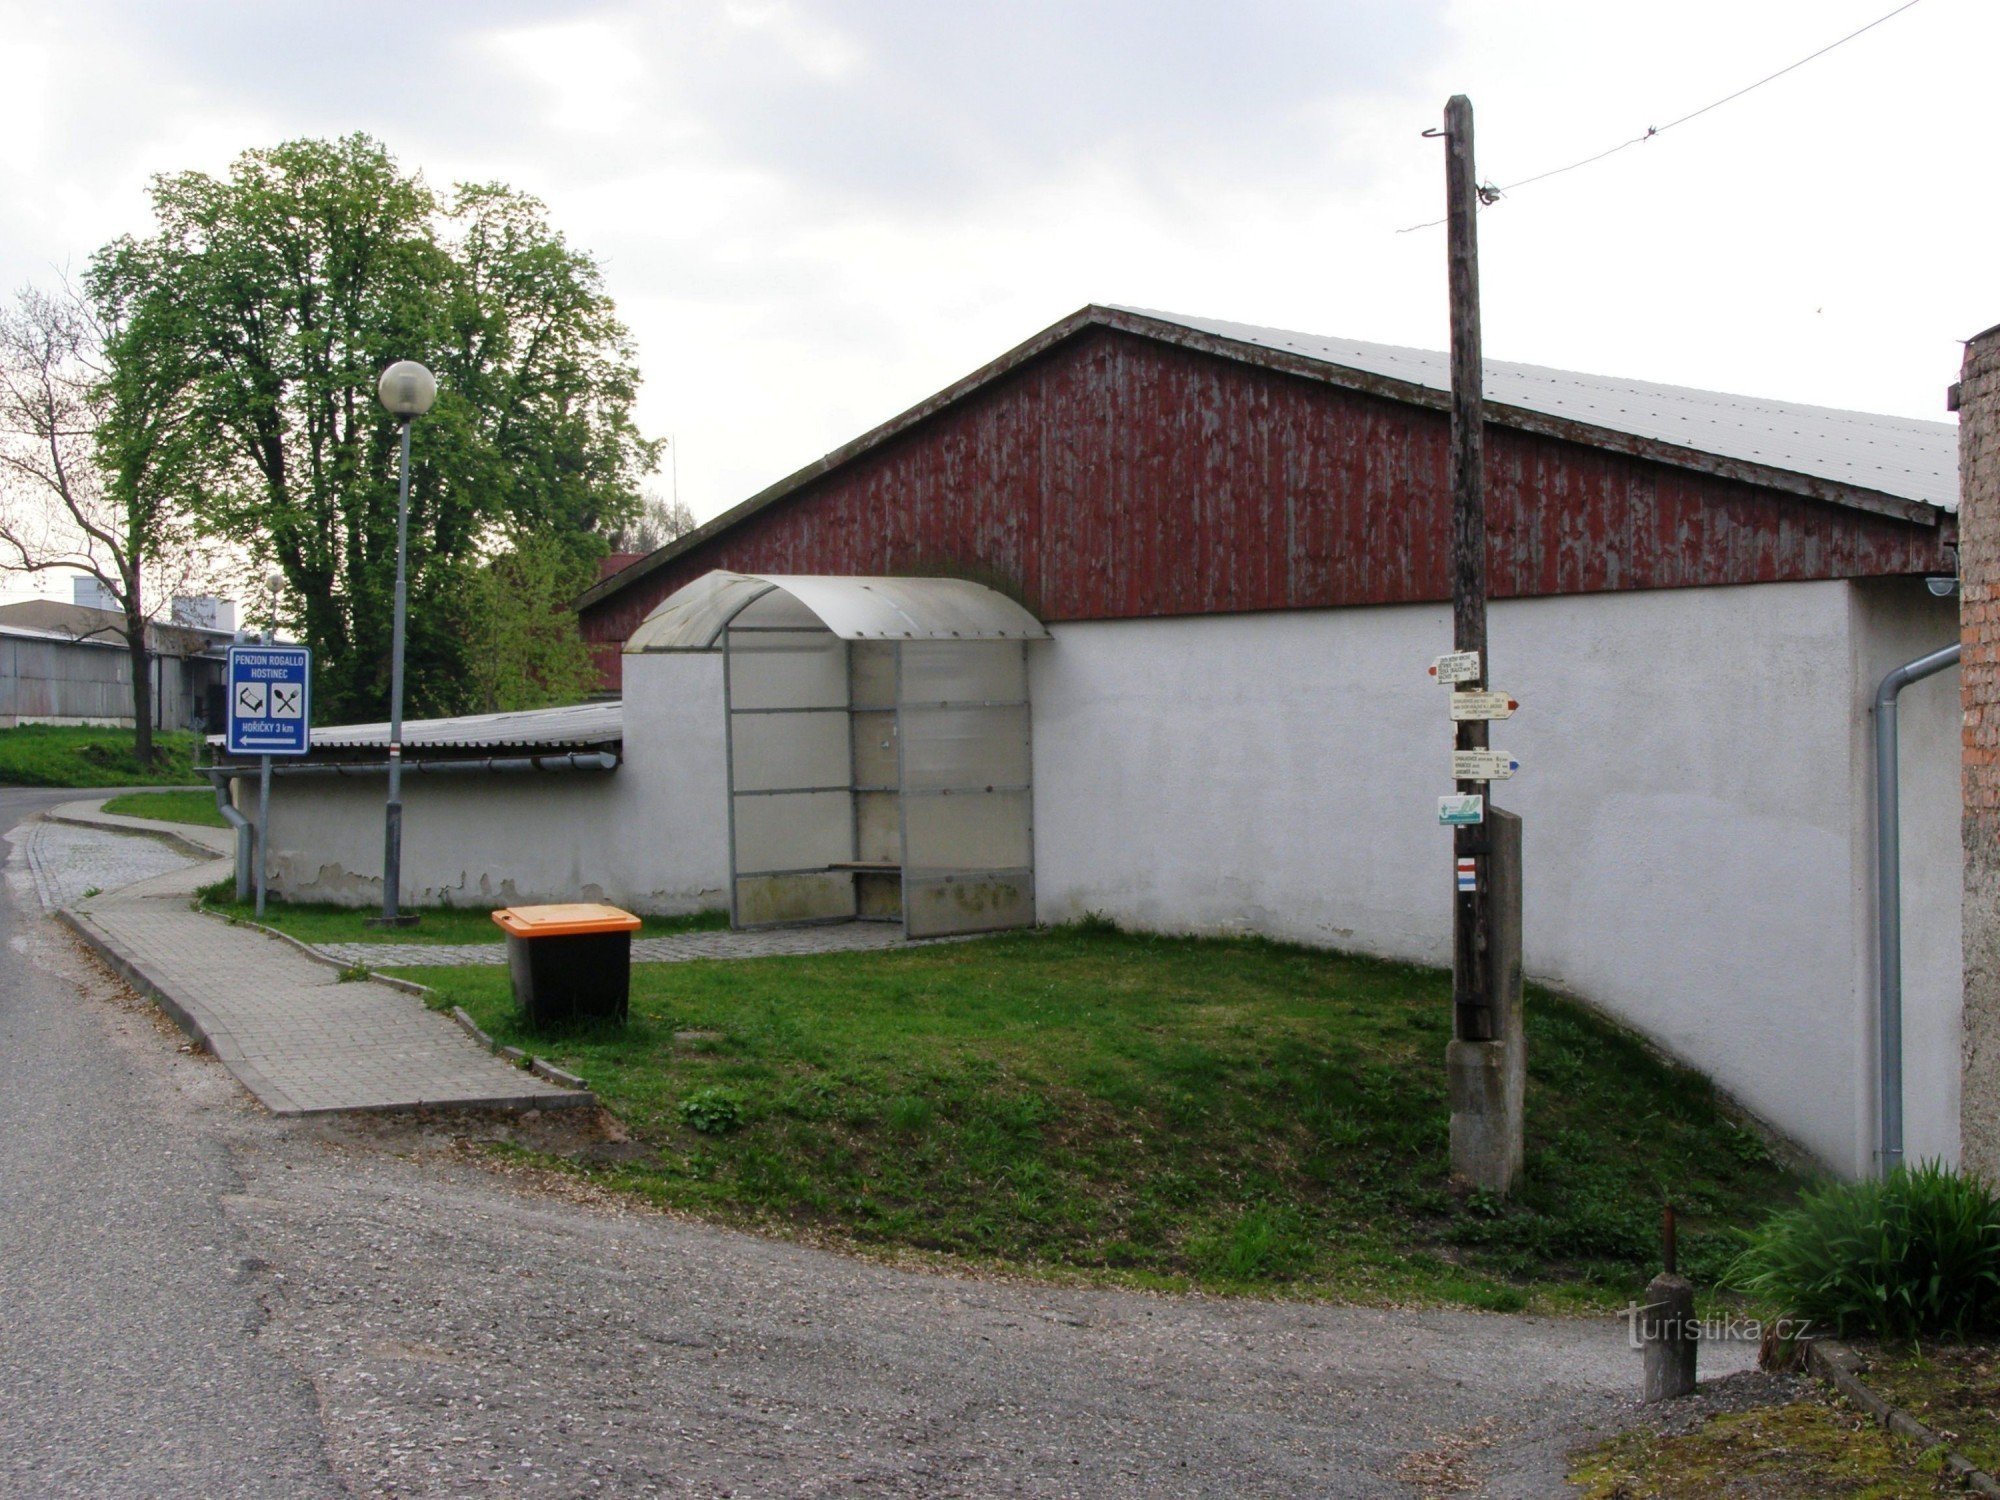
1472, 706
1482, 765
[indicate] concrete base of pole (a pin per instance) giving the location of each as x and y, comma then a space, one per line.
1487, 1081
1668, 1336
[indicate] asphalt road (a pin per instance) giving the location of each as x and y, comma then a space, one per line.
127, 1318
198, 1299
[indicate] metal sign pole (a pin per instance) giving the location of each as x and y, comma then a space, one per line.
263, 831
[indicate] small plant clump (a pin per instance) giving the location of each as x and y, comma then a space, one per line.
712, 1111
1914, 1254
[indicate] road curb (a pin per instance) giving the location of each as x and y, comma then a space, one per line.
407, 986
1835, 1363
541, 1067
101, 945
151, 828
246, 1070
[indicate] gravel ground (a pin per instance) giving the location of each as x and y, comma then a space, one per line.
204, 1300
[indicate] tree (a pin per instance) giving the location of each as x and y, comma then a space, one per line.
282, 290
527, 651
69, 502
659, 522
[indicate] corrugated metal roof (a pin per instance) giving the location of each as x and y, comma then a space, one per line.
1902, 456
22, 632
855, 609
576, 724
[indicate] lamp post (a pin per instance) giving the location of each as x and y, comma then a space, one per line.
407, 389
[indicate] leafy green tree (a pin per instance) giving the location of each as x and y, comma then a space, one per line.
278, 293
526, 649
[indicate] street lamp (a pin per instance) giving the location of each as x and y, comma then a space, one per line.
407, 389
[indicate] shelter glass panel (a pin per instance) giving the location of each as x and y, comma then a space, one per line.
964, 672
787, 669
966, 749
789, 752
793, 831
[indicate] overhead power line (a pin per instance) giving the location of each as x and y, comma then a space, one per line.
1489, 194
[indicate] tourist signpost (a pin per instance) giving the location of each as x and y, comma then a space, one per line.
1485, 1063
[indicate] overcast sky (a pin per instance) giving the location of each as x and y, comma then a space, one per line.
814, 213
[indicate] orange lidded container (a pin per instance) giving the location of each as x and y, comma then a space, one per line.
568, 919
570, 962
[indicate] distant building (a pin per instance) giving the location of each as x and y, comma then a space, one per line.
68, 663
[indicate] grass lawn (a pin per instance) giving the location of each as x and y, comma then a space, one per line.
1230, 1114
62, 755
319, 922
197, 806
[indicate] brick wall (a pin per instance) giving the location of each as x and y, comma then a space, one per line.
1979, 621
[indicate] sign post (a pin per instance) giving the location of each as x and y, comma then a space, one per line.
270, 714
1485, 1062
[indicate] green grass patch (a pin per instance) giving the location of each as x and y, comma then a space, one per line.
322, 922
1953, 1389
197, 806
62, 755
1230, 1114
1809, 1449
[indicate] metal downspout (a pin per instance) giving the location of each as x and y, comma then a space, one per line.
1889, 899
244, 832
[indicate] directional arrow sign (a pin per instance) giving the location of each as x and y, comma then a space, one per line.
270, 700
1482, 706
1456, 666
1482, 765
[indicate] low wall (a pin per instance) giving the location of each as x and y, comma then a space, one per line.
651, 836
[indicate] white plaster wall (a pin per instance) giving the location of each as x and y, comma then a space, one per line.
651, 836
1897, 621
1688, 791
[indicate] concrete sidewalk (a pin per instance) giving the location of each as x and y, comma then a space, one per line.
283, 1023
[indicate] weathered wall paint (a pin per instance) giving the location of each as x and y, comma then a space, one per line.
1117, 477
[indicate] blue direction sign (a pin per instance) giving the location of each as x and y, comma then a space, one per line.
270, 700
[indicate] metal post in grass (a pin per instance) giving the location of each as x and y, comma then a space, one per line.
407, 389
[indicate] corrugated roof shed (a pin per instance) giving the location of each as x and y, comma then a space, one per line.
1904, 456
581, 724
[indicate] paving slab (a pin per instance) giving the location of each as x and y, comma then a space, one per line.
301, 1040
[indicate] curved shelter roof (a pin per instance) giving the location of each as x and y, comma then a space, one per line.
855, 609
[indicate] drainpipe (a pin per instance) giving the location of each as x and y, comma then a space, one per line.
244, 833
1889, 897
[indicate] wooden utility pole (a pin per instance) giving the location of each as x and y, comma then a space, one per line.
1486, 1061
1472, 990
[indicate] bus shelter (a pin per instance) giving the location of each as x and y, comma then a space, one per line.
879, 746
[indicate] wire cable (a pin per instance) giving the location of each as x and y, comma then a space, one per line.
1489, 193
